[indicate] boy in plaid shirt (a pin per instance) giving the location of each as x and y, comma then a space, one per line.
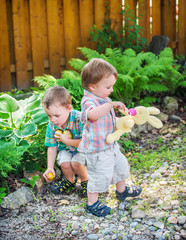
58, 107
105, 163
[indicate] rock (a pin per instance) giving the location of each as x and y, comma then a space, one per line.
183, 233
182, 219
159, 225
92, 237
20, 197
170, 104
162, 116
175, 118
172, 220
138, 213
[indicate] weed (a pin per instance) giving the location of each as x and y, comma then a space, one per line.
31, 182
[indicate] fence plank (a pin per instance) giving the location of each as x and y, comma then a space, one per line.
61, 29
86, 12
36, 22
71, 29
144, 18
20, 44
182, 28
115, 15
5, 77
130, 15
156, 17
99, 12
169, 21
53, 37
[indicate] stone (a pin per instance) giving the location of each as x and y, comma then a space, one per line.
181, 219
18, 198
172, 220
138, 213
170, 104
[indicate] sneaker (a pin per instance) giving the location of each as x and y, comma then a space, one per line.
84, 188
98, 209
63, 186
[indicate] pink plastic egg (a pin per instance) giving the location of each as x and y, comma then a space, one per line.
132, 112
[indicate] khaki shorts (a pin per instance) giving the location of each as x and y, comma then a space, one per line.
105, 168
65, 156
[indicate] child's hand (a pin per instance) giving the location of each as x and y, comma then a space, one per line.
45, 174
63, 137
119, 105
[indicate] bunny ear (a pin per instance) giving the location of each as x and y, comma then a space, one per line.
155, 122
153, 110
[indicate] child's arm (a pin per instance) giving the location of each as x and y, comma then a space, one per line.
51, 157
99, 111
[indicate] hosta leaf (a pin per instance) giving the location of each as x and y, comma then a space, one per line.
4, 115
5, 144
40, 118
23, 146
8, 104
26, 130
5, 133
4, 124
33, 105
19, 117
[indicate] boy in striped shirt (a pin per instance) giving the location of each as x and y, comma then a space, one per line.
105, 163
58, 107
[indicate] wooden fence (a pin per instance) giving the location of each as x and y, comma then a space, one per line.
40, 36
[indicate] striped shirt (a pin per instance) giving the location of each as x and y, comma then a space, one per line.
95, 132
74, 125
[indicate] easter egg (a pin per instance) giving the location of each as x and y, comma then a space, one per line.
50, 176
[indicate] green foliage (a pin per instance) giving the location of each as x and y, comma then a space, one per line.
35, 157
106, 37
71, 80
18, 121
126, 144
9, 157
2, 194
141, 77
31, 182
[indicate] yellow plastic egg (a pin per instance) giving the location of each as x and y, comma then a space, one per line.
50, 176
63, 132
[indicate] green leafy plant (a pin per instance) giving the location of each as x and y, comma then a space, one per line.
2, 194
31, 182
10, 158
52, 219
106, 37
35, 157
20, 119
71, 80
139, 75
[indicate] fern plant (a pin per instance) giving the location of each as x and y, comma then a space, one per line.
141, 77
71, 80
142, 73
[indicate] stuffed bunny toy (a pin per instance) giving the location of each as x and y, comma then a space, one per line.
139, 116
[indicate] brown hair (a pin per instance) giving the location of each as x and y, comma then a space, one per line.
57, 94
95, 70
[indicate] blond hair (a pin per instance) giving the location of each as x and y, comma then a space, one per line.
57, 94
95, 70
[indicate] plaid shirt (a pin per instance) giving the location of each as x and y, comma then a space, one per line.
74, 125
95, 132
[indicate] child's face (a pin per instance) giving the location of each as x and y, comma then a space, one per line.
58, 114
104, 87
